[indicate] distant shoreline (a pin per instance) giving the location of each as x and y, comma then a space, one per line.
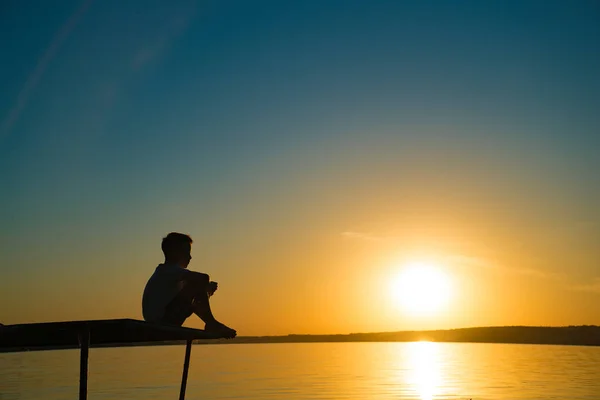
584, 335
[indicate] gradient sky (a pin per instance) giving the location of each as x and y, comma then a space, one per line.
311, 149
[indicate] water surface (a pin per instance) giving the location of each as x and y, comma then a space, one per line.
419, 370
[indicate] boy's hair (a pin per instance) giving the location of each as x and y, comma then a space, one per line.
174, 243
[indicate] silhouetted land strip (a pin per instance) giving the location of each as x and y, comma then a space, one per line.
586, 335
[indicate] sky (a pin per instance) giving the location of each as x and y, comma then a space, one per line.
313, 150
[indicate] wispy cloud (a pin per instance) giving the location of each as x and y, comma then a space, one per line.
593, 286
475, 262
154, 48
149, 47
469, 261
537, 273
366, 236
34, 78
463, 260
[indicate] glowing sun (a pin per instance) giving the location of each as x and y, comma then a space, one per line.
421, 289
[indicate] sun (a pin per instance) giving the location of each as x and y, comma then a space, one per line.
421, 289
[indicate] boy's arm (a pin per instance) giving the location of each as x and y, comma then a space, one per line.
198, 278
202, 280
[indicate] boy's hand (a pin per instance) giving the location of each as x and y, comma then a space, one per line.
212, 287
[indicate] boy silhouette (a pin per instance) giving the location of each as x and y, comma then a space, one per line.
173, 292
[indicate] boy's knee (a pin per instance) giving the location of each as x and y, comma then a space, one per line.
198, 280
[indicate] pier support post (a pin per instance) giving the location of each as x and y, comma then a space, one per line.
186, 368
84, 342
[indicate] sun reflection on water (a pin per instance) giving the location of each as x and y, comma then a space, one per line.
425, 375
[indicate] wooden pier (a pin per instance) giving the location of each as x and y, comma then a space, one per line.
96, 333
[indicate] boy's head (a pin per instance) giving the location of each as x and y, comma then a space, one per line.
177, 248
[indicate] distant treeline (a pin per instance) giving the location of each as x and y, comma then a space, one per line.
586, 335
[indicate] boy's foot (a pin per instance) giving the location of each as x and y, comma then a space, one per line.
223, 331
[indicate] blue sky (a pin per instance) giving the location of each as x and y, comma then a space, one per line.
122, 121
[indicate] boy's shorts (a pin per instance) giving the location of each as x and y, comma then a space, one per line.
178, 310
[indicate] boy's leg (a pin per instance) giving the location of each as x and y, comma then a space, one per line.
178, 310
201, 307
192, 298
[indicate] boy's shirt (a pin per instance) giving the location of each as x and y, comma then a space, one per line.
162, 287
